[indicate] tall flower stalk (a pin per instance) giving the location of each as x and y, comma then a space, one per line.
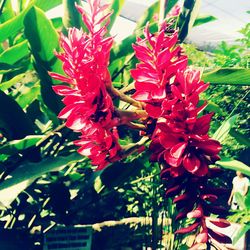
180, 141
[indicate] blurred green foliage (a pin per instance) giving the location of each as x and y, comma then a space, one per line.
43, 181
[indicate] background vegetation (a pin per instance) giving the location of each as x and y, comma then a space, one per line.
44, 182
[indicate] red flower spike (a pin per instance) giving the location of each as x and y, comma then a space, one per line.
180, 141
197, 213
219, 222
209, 197
181, 197
188, 229
89, 108
202, 237
157, 58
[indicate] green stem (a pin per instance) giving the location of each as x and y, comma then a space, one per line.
116, 93
127, 116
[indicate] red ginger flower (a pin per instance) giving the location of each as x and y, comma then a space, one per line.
89, 108
182, 135
159, 61
180, 141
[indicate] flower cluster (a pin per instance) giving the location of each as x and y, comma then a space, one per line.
169, 92
88, 106
180, 141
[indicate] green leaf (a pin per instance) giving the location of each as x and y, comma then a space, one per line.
211, 107
228, 76
24, 78
116, 6
202, 19
247, 201
187, 17
148, 15
242, 139
116, 174
234, 165
244, 229
124, 48
12, 26
71, 17
28, 95
170, 5
7, 13
25, 174
46, 5
41, 35
8, 84
240, 200
15, 146
43, 40
5, 67
13, 120
222, 132
15, 53
57, 22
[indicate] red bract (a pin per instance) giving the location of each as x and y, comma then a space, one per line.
180, 132
175, 11
180, 140
159, 61
182, 152
99, 144
88, 106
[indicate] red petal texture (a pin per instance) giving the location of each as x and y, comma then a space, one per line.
219, 222
170, 92
89, 108
187, 229
191, 163
197, 213
202, 237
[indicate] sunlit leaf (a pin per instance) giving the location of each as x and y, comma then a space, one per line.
28, 96
25, 174
15, 146
228, 76
187, 17
234, 165
244, 229
202, 19
71, 17
116, 6
240, 200
12, 26
15, 53
47, 4
57, 22
43, 40
222, 132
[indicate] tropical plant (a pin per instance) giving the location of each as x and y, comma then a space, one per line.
107, 110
